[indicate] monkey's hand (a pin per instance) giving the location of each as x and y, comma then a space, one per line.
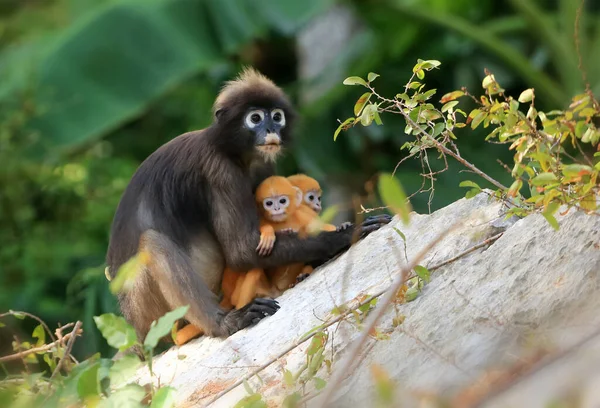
250, 314
267, 240
370, 224
344, 226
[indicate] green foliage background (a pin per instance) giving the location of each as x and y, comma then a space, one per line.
91, 87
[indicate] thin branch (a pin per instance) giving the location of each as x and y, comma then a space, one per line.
46, 347
467, 251
34, 317
67, 352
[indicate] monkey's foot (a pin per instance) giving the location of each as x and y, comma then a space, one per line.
343, 226
187, 333
300, 278
250, 314
265, 245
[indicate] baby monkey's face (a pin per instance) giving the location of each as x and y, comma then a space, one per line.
276, 207
312, 198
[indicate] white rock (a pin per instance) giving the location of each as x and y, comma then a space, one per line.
486, 311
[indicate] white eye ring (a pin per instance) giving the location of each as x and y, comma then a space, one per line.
280, 118
251, 118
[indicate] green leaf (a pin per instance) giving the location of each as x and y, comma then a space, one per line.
551, 220
117, 332
288, 378
161, 327
319, 383
411, 294
438, 128
393, 196
40, 334
573, 170
89, 384
543, 179
423, 273
449, 105
377, 118
292, 400
127, 273
470, 184
400, 233
480, 117
347, 122
2, 325
129, 396
247, 387
328, 214
355, 80
18, 315
367, 115
164, 398
360, 103
372, 76
526, 96
124, 368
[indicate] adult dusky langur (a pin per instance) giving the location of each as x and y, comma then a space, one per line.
190, 207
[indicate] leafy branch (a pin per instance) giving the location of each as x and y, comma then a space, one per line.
541, 140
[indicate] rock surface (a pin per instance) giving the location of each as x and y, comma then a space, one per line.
530, 294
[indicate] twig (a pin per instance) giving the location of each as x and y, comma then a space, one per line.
391, 292
40, 321
467, 251
340, 317
68, 349
43, 348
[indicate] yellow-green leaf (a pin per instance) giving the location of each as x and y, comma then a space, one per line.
354, 80
347, 122
423, 273
372, 76
449, 105
393, 196
526, 96
573, 170
543, 179
360, 103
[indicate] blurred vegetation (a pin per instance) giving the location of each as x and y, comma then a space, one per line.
91, 87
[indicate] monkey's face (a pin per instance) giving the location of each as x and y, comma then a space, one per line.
312, 198
276, 207
266, 125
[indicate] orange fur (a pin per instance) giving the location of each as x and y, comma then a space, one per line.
297, 218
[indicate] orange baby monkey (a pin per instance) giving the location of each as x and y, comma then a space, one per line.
311, 198
278, 204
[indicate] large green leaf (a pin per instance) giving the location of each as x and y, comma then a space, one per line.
107, 67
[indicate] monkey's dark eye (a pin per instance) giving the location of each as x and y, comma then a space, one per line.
283, 200
269, 203
278, 116
254, 117
311, 197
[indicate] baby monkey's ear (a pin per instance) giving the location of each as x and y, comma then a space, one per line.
298, 196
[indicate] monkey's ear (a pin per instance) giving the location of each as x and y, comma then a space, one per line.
298, 196
219, 113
